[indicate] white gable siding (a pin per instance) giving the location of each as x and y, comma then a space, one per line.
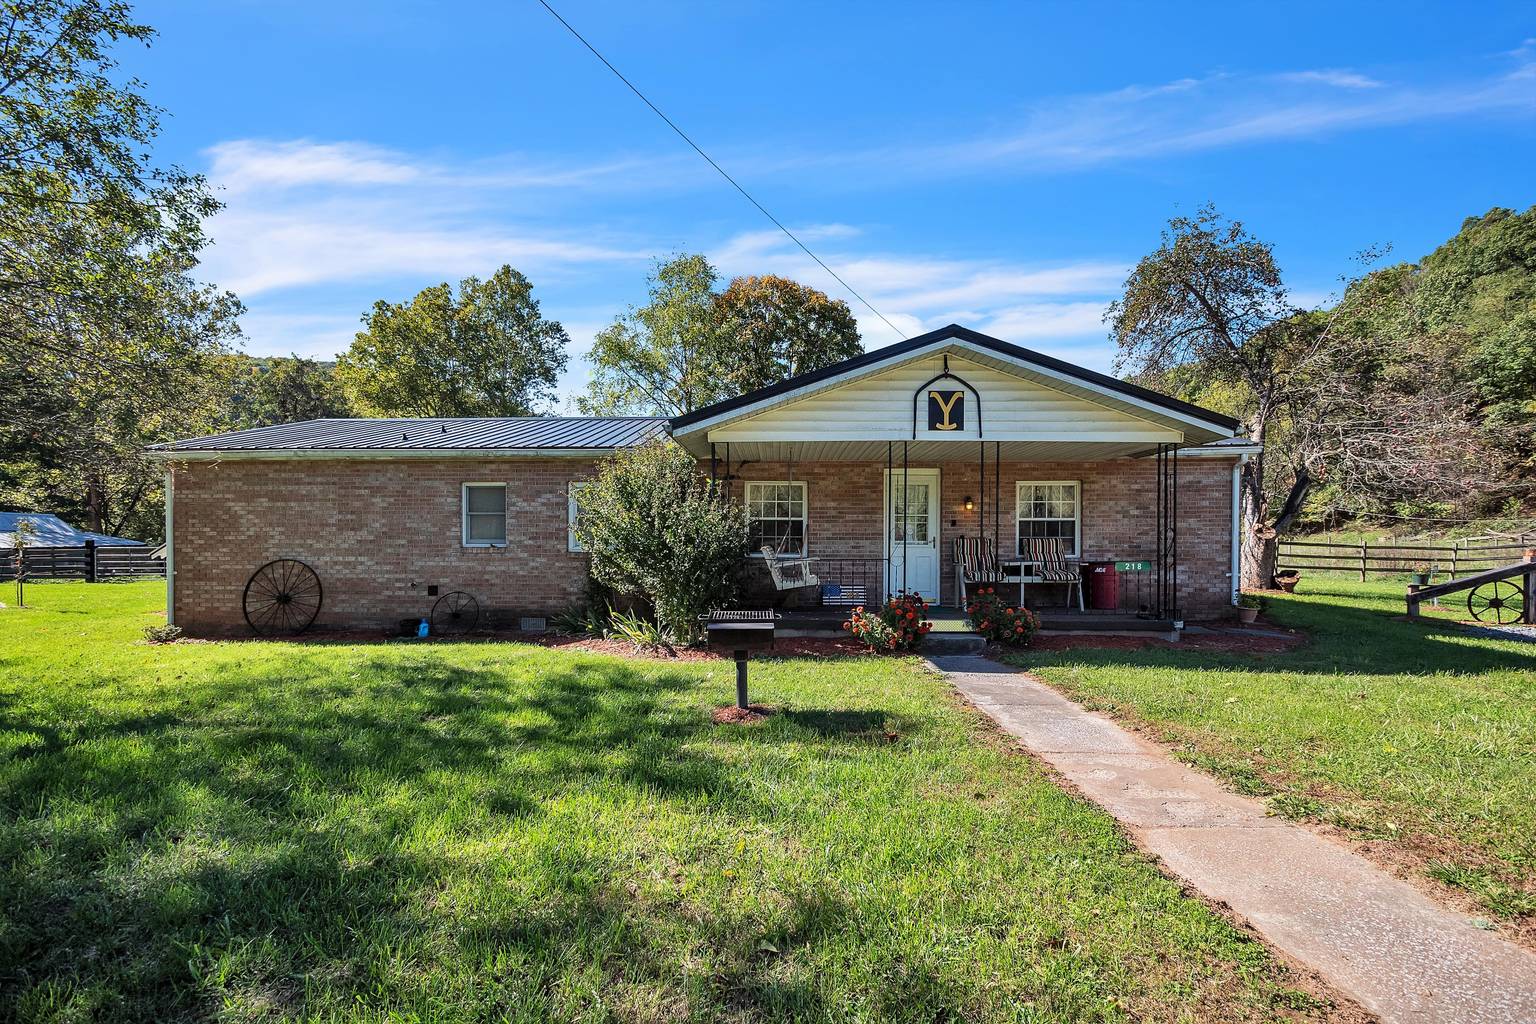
879, 408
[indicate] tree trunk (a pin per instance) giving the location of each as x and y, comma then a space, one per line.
93, 503
1252, 572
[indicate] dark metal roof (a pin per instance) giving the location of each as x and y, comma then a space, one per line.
983, 341
497, 433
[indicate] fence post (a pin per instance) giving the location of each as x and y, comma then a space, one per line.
1530, 587
1365, 548
90, 560
1413, 600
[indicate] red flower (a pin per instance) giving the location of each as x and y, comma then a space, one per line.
847, 625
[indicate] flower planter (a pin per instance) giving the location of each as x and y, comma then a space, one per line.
1287, 581
1247, 616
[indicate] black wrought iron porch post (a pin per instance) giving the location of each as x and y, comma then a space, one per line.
906, 496
887, 545
997, 495
1173, 530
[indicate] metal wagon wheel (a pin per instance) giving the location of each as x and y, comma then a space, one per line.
1500, 602
282, 596
456, 612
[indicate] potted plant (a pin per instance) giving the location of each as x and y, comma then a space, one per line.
1421, 574
1248, 608
1287, 580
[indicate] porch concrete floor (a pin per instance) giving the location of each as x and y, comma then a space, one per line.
1369, 935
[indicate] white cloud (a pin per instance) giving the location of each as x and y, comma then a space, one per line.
1339, 78
1195, 114
1055, 304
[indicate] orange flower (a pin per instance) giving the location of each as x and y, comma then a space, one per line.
847, 625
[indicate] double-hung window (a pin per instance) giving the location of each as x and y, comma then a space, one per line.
1051, 509
485, 515
573, 513
776, 517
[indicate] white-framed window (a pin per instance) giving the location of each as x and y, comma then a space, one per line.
776, 516
1051, 508
485, 515
573, 512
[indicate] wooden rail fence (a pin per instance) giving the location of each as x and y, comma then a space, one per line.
90, 562
1364, 558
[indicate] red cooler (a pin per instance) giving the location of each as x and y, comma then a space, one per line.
1103, 585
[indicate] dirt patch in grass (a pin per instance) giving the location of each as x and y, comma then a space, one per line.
733, 715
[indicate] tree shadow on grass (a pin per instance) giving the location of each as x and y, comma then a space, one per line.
133, 846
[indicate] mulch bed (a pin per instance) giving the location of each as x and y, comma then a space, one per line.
785, 647
1230, 639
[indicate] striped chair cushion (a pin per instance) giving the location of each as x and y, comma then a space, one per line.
1049, 559
977, 558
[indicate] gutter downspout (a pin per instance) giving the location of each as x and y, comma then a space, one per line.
1237, 526
170, 546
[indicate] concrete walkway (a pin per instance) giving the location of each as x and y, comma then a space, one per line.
1369, 935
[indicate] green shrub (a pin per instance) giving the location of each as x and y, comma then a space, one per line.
999, 621
1250, 601
162, 634
656, 528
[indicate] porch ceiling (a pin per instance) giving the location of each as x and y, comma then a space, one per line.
922, 451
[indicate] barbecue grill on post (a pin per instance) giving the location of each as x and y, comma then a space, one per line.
740, 632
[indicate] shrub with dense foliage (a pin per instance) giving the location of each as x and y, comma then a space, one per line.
999, 621
899, 625
657, 529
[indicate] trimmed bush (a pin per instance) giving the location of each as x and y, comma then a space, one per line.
656, 529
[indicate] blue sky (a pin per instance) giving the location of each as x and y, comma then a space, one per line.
998, 165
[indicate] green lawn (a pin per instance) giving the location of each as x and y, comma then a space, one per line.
1412, 735
492, 831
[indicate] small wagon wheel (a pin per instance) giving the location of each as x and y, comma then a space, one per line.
282, 596
1500, 602
456, 612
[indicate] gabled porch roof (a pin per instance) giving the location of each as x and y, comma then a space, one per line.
1032, 406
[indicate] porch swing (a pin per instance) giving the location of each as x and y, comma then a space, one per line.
789, 574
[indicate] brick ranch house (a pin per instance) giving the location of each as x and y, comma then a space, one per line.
870, 468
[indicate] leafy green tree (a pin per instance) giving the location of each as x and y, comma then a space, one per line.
663, 357
487, 351
691, 346
655, 528
104, 334
283, 390
775, 328
1207, 315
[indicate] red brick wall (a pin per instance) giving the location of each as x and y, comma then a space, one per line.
845, 503
371, 529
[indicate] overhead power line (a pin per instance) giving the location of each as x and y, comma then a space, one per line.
721, 170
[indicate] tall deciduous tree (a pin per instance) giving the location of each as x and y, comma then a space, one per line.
487, 351
690, 346
1208, 314
663, 357
776, 328
282, 390
103, 331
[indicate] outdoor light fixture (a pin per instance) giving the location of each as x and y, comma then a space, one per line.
969, 504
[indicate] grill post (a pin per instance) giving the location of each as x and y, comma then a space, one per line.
741, 679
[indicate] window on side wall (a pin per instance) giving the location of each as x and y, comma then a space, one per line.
1051, 509
573, 513
485, 515
776, 517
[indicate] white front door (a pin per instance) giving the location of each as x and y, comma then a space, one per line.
914, 565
